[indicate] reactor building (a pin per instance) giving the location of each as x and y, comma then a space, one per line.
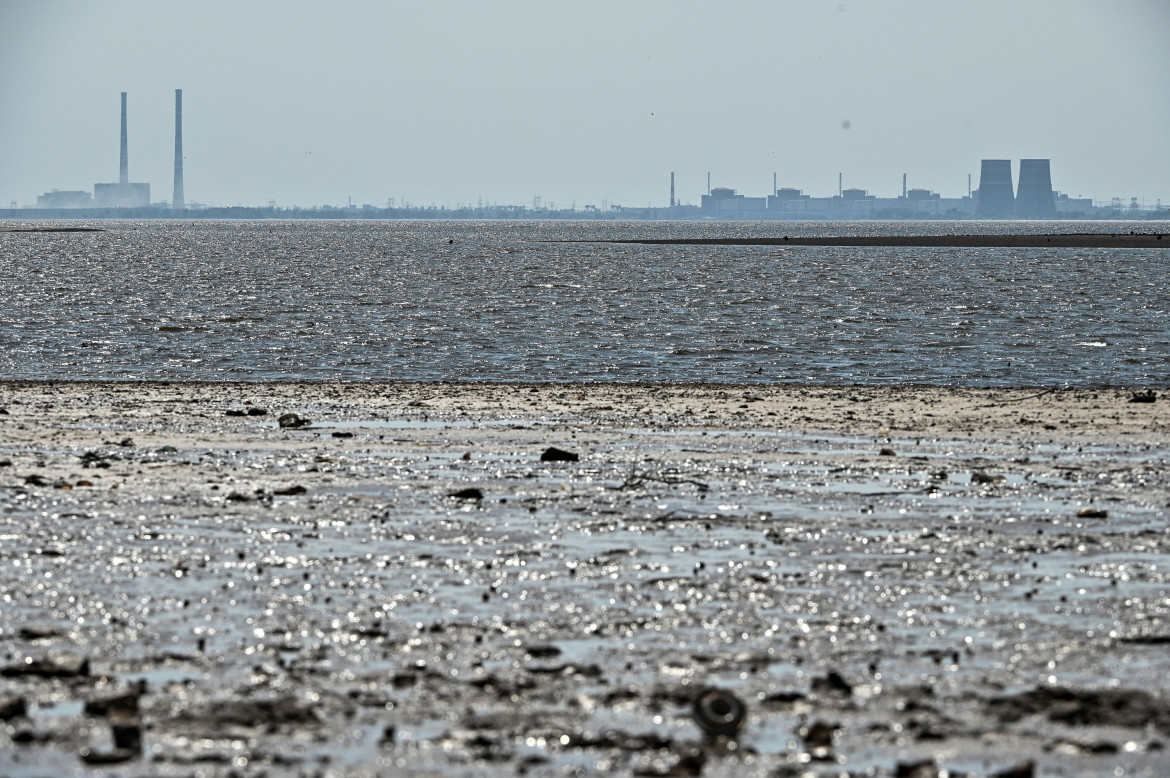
122, 194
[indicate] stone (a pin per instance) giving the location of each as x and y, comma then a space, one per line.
13, 706
832, 684
127, 731
1021, 770
1082, 707
65, 666
542, 651
470, 493
117, 756
554, 454
120, 703
924, 768
292, 421
818, 734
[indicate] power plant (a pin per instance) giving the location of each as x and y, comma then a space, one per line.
124, 194
994, 199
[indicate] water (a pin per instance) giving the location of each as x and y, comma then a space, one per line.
368, 300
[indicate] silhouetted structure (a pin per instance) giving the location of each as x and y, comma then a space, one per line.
124, 157
1034, 198
122, 194
58, 199
996, 198
177, 201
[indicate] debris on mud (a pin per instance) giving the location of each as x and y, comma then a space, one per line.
554, 454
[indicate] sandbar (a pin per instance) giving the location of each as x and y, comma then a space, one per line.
1017, 240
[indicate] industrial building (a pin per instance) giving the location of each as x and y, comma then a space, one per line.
995, 199
790, 203
123, 194
58, 199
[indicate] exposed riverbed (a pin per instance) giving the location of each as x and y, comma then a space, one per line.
962, 580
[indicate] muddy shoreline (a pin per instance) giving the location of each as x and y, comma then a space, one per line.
891, 581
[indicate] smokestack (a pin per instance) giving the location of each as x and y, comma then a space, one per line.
672, 190
903, 185
774, 189
177, 201
840, 185
708, 183
124, 164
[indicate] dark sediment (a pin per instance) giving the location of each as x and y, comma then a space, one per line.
1070, 240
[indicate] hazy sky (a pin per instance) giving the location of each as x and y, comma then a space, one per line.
307, 102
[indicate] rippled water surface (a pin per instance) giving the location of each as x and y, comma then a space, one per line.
370, 300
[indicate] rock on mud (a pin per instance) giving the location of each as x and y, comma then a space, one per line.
292, 421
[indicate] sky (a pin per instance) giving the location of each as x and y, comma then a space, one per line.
454, 102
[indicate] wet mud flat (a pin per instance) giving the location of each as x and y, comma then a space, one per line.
403, 579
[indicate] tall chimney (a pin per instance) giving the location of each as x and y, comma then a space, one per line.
672, 190
124, 164
177, 201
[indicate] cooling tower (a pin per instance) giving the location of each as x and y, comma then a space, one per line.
995, 189
124, 163
177, 201
1034, 198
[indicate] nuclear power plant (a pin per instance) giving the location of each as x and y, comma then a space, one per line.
995, 198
